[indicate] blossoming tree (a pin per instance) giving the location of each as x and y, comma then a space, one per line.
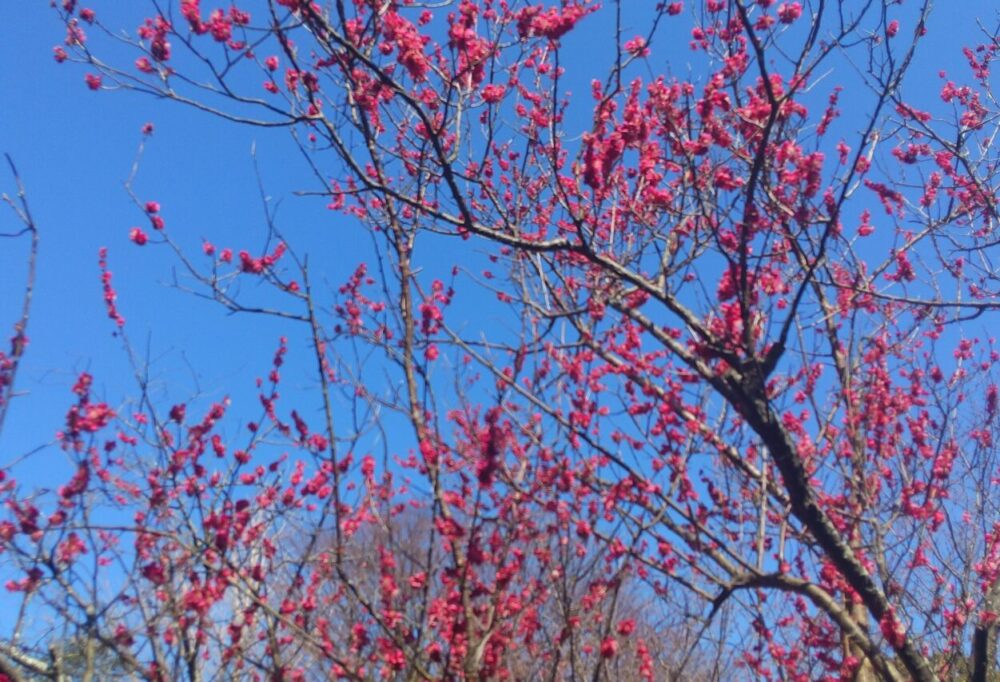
733, 417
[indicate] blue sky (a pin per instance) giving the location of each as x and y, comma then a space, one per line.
74, 149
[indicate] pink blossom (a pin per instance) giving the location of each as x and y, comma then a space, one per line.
493, 93
788, 12
637, 47
138, 236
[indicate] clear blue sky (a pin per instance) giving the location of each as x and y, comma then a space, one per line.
74, 148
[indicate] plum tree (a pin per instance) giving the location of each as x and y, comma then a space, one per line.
733, 414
